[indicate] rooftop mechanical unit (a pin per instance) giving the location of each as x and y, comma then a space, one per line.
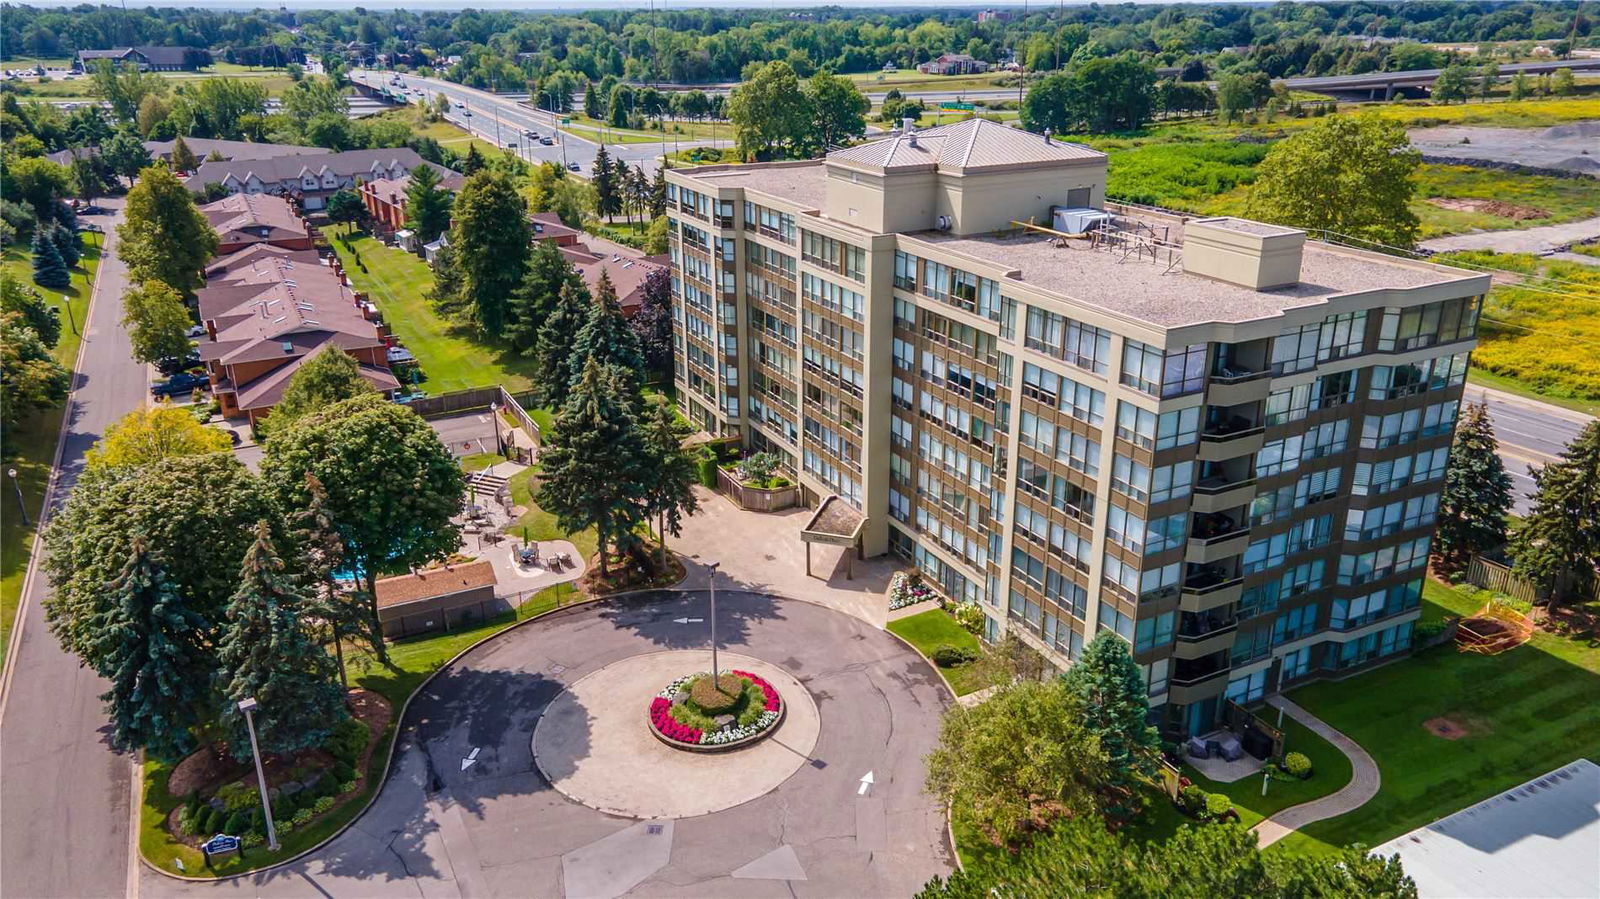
1078, 219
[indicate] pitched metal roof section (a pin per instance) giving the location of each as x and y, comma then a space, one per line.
974, 145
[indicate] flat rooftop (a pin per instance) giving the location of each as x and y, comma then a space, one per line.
1538, 839
1148, 291
803, 184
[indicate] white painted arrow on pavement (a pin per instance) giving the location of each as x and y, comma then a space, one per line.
470, 759
687, 620
866, 784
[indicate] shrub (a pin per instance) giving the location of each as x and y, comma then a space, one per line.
284, 828
1425, 631
947, 656
236, 823
708, 472
186, 822
970, 617
342, 772
251, 840
718, 696
209, 821
323, 805
347, 786
237, 795
1218, 804
301, 817
1297, 765
348, 739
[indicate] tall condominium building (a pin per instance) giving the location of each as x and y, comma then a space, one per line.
1210, 436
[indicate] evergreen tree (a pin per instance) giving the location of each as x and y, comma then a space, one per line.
427, 204
49, 269
267, 654
183, 158
1476, 495
658, 192
552, 379
608, 200
536, 298
1111, 690
669, 495
491, 241
591, 102
607, 340
446, 296
1558, 547
322, 557
472, 163
150, 646
67, 245
596, 464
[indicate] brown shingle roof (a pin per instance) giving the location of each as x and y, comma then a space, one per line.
434, 582
239, 212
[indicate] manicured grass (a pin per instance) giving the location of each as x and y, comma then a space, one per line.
913, 80
536, 524
452, 356
928, 631
412, 661
453, 137
1526, 712
1476, 375
30, 448
1330, 772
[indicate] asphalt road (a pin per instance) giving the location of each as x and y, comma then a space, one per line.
1530, 433
494, 826
64, 795
501, 121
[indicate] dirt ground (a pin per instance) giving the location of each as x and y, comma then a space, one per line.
1574, 147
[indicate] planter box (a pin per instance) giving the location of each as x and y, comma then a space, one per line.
757, 499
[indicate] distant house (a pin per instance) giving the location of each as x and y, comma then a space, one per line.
385, 199
245, 219
953, 64
548, 226
626, 267
311, 179
205, 147
148, 59
437, 598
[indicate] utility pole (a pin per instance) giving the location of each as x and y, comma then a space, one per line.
248, 706
714, 670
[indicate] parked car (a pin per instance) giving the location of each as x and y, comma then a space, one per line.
574, 166
172, 365
196, 331
177, 385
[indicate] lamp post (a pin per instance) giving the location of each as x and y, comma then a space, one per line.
22, 507
715, 672
248, 706
494, 413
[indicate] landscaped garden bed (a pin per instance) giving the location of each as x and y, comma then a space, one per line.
640, 569
699, 713
218, 793
952, 648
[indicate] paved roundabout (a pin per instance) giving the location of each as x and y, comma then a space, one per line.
467, 812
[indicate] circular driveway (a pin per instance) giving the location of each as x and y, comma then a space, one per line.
466, 812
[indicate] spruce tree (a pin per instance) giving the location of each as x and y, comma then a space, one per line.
1111, 689
596, 464
266, 653
427, 204
606, 338
67, 245
669, 495
151, 647
183, 158
552, 379
472, 163
1558, 547
49, 269
491, 240
1476, 495
658, 192
322, 557
536, 298
607, 200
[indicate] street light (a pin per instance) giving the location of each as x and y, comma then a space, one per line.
248, 706
494, 413
714, 670
22, 506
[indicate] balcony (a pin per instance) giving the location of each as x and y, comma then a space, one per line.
1194, 679
1230, 434
1216, 536
1224, 490
1202, 634
1212, 587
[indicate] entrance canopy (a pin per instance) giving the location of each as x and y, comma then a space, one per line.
835, 523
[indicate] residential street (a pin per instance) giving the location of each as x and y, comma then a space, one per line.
1530, 433
64, 799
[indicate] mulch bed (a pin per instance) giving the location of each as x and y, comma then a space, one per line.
635, 573
208, 769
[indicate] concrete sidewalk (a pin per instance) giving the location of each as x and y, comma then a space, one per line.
1363, 785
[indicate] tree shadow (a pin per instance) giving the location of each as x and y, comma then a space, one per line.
667, 618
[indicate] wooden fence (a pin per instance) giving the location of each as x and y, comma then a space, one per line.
757, 499
1492, 575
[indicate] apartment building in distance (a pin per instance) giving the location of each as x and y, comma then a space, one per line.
1215, 438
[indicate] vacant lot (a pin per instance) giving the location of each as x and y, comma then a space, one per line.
1523, 713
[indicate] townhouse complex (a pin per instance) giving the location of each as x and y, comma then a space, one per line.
1220, 441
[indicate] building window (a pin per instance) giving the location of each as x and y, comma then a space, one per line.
1153, 631
1247, 689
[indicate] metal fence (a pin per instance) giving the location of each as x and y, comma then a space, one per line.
481, 398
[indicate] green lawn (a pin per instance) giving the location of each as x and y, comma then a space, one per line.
452, 357
1330, 772
928, 631
1526, 712
412, 662
31, 446
537, 524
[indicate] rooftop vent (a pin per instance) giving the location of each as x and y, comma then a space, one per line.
1238, 251
288, 346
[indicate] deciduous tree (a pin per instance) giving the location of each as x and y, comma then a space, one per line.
596, 463
839, 110
1558, 546
43, 318
329, 376
392, 487
346, 208
770, 112
125, 153
652, 324
152, 434
1477, 492
267, 653
157, 321
30, 377
164, 237
1349, 175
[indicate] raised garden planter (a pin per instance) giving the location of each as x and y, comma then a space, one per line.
692, 715
757, 499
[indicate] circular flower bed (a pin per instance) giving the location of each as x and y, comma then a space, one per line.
697, 712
